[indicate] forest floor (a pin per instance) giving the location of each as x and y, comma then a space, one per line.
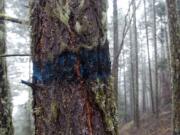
150, 125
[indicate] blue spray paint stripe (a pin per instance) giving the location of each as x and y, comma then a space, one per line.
93, 64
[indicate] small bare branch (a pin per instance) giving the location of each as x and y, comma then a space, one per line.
126, 26
15, 55
11, 19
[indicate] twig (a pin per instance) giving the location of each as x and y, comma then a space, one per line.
12, 19
27, 83
32, 85
15, 55
126, 27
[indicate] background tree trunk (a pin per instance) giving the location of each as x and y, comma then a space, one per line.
144, 84
155, 58
149, 61
174, 30
132, 89
115, 65
125, 89
136, 96
72, 88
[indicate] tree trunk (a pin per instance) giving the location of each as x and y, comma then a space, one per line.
6, 127
136, 100
164, 75
174, 30
144, 84
155, 57
149, 60
115, 65
132, 89
72, 87
125, 89
168, 50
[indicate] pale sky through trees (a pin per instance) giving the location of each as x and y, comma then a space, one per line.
122, 4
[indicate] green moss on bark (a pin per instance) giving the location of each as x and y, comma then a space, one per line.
105, 99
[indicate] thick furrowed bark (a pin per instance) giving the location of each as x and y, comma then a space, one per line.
72, 88
69, 110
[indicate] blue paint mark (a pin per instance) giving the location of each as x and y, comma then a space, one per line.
48, 72
89, 63
93, 64
37, 76
65, 66
104, 64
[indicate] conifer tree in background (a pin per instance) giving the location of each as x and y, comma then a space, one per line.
72, 87
6, 127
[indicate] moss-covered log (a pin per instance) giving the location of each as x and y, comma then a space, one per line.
72, 86
174, 29
6, 127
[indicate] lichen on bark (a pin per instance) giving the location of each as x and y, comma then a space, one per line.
105, 99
